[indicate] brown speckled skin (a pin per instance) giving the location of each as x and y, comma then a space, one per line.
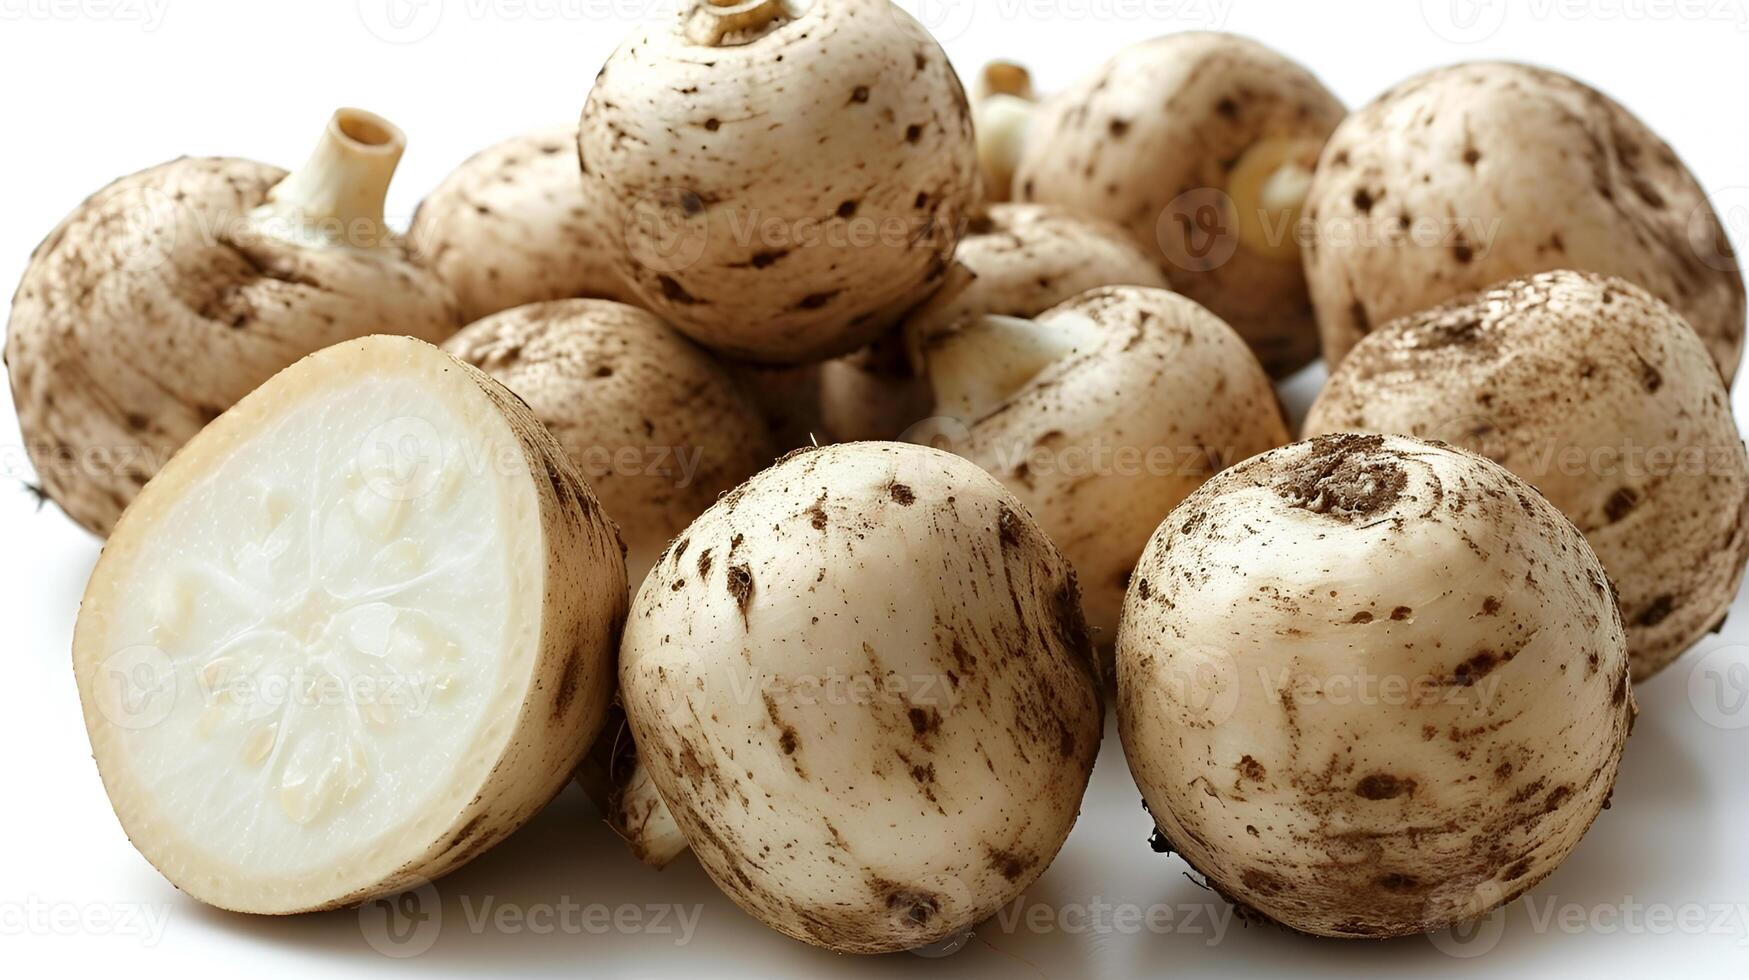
154, 307
1539, 172
845, 130
606, 377
1024, 259
1168, 378
1461, 774
896, 817
514, 225
1544, 375
1168, 117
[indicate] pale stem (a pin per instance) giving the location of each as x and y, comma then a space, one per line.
976, 367
1004, 78
1001, 123
724, 23
335, 200
1268, 188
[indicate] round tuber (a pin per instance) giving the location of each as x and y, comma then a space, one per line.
1371, 686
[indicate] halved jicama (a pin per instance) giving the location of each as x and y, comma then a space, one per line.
356, 632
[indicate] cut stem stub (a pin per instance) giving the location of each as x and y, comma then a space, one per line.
725, 23
335, 200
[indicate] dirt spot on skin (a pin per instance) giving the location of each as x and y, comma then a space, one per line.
1490, 606
1399, 883
1358, 316
1621, 503
1557, 796
467, 833
740, 585
914, 906
1477, 667
924, 721
1347, 477
1383, 786
1657, 612
674, 292
1008, 527
902, 494
1009, 864
1250, 770
1263, 882
566, 695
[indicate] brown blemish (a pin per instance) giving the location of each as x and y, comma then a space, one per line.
1657, 612
740, 585
1383, 786
1621, 503
924, 722
1346, 476
1009, 864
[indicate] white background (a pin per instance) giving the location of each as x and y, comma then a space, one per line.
93, 89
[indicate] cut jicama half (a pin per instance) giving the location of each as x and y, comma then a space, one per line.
357, 631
